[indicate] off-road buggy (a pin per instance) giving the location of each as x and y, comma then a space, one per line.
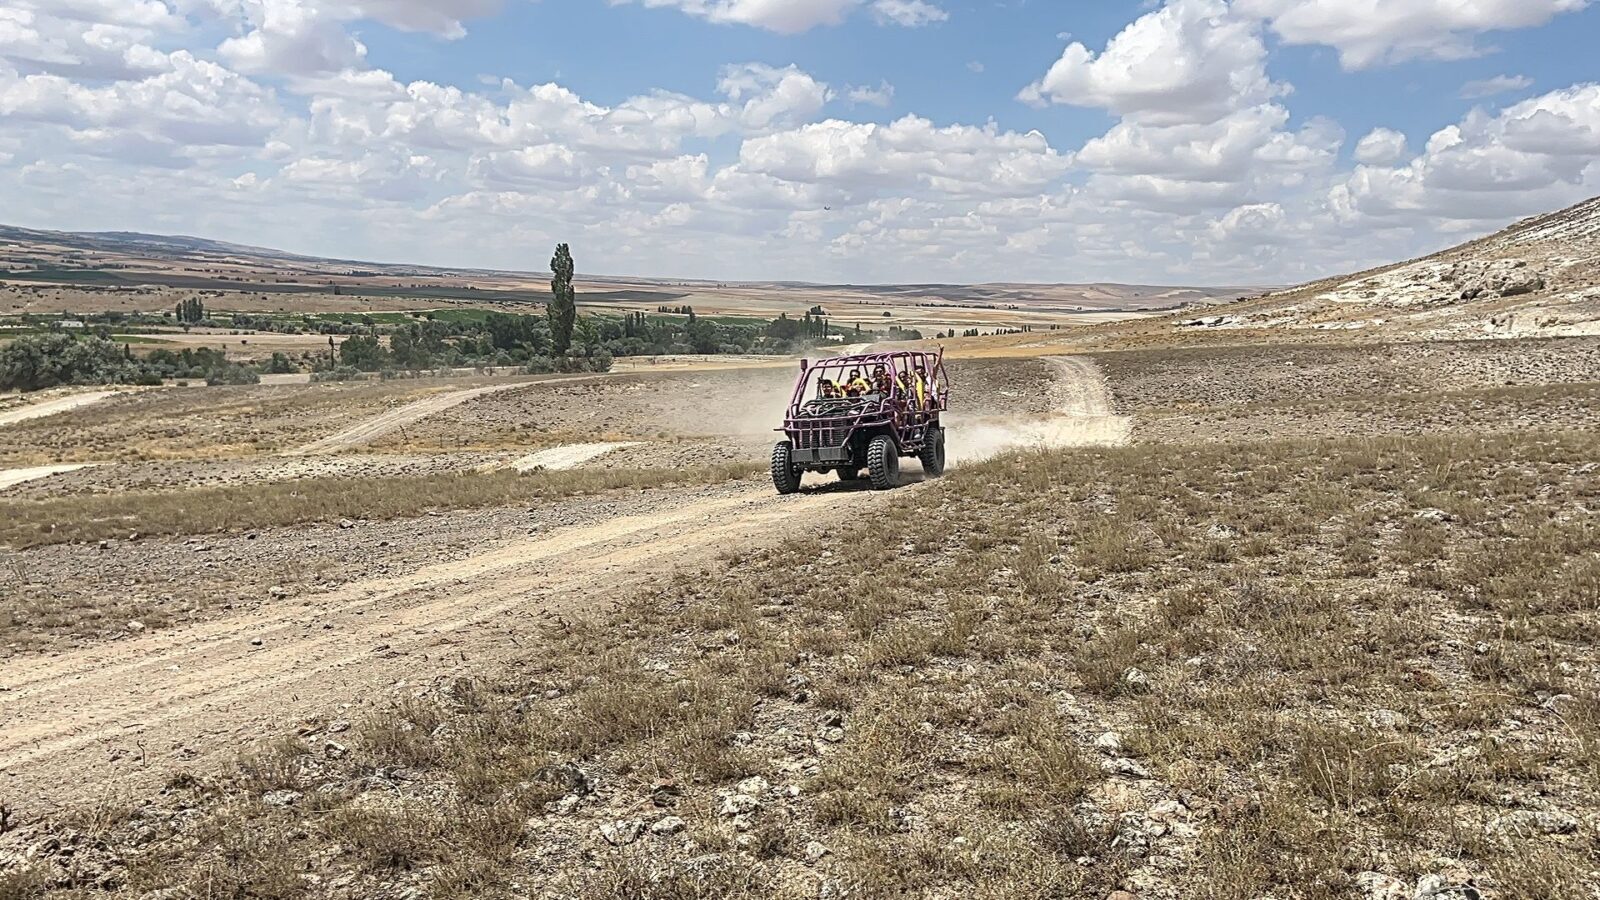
860, 412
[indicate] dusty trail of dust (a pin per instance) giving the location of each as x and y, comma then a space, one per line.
567, 456
1084, 417
120, 710
11, 477
52, 407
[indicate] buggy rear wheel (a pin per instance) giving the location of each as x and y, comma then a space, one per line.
933, 452
883, 462
785, 474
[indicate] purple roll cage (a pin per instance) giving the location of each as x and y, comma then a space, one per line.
908, 418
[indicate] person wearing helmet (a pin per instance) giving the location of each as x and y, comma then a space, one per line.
856, 386
828, 389
922, 386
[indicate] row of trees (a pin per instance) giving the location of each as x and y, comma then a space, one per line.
41, 361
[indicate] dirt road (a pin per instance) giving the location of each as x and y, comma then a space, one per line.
130, 712
52, 407
395, 419
9, 477
136, 708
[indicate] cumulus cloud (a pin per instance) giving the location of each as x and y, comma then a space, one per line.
1208, 170
863, 159
1535, 155
796, 16
864, 95
1381, 147
1493, 87
1190, 61
909, 13
1374, 32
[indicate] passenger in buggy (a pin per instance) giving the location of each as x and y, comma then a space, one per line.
880, 381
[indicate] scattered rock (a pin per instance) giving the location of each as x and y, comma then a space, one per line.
568, 776
667, 826
1527, 822
1378, 886
1135, 680
622, 832
1386, 718
815, 850
346, 523
738, 805
1434, 515
754, 786
1109, 742
280, 798
833, 735
135, 626
1125, 767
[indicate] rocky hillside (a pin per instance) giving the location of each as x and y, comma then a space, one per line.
1540, 277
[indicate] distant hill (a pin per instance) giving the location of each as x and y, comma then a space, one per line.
129, 257
1539, 277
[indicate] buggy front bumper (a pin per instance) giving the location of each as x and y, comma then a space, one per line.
830, 456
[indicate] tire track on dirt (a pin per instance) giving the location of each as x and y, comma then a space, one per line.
200, 687
385, 423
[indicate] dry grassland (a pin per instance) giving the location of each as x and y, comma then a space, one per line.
1299, 668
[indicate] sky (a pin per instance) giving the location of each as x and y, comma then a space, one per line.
1215, 142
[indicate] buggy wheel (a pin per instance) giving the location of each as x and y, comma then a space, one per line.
933, 452
883, 462
785, 475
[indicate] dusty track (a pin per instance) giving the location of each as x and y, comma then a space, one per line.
395, 419
130, 712
52, 407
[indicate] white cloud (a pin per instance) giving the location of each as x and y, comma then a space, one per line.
782, 16
1208, 171
796, 16
1373, 32
292, 37
866, 159
1381, 147
909, 13
1190, 61
1493, 87
882, 95
1536, 155
773, 96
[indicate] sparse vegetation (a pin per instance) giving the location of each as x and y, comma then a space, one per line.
91, 517
965, 696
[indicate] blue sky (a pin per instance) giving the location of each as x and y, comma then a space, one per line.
1193, 141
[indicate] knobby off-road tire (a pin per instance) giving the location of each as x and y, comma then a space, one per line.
883, 462
933, 453
848, 473
785, 476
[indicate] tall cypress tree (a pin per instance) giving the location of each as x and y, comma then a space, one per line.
563, 309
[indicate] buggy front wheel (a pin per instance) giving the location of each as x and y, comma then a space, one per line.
883, 462
785, 474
